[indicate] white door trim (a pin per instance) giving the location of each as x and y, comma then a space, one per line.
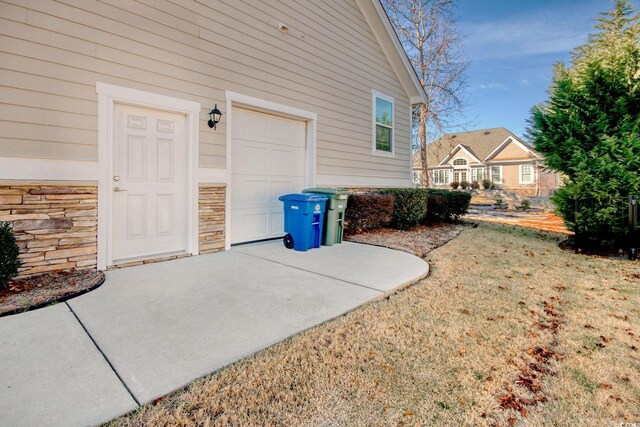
108, 95
238, 100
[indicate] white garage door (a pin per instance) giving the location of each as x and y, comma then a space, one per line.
268, 160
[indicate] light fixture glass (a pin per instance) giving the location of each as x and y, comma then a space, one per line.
214, 117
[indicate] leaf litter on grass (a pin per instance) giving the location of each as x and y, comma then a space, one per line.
403, 353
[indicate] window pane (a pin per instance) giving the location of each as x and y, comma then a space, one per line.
495, 174
383, 138
457, 162
384, 112
480, 174
526, 173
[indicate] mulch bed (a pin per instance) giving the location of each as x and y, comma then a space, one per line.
418, 241
546, 221
43, 289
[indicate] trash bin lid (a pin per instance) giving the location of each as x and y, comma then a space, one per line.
327, 190
298, 197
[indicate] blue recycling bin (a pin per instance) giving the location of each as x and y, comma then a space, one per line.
303, 220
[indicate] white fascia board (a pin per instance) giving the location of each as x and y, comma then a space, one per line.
455, 150
377, 18
515, 141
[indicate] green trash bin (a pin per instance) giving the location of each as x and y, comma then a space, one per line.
333, 214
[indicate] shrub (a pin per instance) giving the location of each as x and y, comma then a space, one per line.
588, 129
9, 252
444, 205
475, 185
455, 185
409, 206
486, 184
368, 211
464, 185
525, 205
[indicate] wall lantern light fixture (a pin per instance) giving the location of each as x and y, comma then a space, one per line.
214, 115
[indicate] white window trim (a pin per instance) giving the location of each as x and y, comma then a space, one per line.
491, 174
446, 176
464, 166
375, 94
474, 176
434, 175
108, 96
520, 174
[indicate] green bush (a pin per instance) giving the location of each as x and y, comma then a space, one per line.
368, 211
486, 184
464, 185
409, 206
444, 205
455, 185
9, 252
475, 185
525, 205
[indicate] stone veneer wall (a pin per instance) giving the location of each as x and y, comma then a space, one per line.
211, 208
55, 224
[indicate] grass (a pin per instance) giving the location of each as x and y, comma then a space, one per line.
507, 329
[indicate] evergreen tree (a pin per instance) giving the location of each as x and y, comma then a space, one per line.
589, 128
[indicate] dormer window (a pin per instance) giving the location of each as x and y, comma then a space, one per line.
460, 162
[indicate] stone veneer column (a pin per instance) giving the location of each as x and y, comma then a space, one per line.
55, 224
211, 208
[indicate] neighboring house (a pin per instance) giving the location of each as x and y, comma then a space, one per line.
106, 156
495, 154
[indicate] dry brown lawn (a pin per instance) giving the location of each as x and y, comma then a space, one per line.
508, 329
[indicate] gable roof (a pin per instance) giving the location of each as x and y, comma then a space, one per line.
481, 143
457, 149
382, 29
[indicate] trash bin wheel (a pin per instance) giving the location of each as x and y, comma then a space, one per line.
288, 241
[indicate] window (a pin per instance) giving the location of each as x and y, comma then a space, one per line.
383, 123
496, 174
459, 176
526, 174
441, 176
417, 177
459, 162
477, 174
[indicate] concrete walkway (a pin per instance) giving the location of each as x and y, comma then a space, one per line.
152, 329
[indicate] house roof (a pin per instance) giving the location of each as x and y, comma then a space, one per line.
381, 26
481, 143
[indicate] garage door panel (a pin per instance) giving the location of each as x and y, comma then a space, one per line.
262, 159
268, 161
261, 127
278, 188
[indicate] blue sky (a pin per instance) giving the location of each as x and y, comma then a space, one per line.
512, 46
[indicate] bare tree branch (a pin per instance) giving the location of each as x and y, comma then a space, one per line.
427, 31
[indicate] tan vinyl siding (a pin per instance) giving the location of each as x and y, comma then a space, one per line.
510, 152
53, 53
511, 177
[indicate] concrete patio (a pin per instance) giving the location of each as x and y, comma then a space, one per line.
152, 329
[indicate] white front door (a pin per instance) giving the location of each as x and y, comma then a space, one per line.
150, 184
268, 160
